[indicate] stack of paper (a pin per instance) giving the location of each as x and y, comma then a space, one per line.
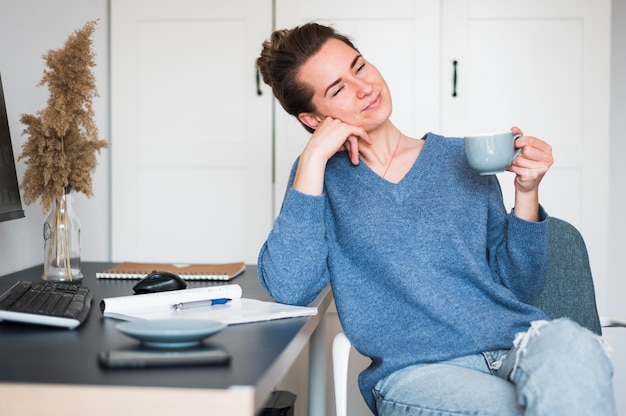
237, 310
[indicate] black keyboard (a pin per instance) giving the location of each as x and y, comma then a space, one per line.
46, 303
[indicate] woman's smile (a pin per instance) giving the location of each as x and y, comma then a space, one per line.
374, 103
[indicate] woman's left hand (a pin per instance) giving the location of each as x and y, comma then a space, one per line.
532, 163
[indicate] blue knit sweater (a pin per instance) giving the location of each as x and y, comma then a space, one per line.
424, 270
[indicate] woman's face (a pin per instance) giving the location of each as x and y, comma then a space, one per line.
346, 86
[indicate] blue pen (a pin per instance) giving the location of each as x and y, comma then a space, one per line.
199, 303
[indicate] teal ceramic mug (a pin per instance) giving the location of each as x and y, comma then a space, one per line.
492, 153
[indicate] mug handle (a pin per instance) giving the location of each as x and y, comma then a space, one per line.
518, 150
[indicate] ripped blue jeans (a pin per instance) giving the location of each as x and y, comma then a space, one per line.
555, 368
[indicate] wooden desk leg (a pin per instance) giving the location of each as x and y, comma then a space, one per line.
317, 370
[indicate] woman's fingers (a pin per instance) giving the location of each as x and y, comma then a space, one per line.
332, 136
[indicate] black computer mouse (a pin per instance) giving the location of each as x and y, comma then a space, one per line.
159, 281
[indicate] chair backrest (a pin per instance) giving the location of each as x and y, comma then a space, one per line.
568, 290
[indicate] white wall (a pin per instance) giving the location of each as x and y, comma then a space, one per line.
28, 29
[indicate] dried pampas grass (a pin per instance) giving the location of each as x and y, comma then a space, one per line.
63, 138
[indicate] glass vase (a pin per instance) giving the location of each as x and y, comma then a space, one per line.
61, 234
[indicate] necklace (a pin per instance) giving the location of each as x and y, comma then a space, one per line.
393, 155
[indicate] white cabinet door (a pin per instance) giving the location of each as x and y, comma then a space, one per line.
191, 138
399, 37
544, 66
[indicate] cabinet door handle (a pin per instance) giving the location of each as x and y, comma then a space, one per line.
258, 83
454, 64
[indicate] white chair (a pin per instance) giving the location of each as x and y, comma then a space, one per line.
341, 356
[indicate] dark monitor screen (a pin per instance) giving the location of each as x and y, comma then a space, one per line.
10, 202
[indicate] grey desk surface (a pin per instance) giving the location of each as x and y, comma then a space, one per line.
37, 354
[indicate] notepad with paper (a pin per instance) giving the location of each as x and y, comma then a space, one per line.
237, 310
214, 271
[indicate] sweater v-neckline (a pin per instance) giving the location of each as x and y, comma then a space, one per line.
385, 182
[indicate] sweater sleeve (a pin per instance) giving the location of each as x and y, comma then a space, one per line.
521, 257
517, 250
292, 263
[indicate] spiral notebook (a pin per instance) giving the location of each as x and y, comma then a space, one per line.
214, 271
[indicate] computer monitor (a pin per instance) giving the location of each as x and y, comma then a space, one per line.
10, 201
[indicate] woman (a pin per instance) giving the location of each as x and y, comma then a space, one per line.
431, 277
